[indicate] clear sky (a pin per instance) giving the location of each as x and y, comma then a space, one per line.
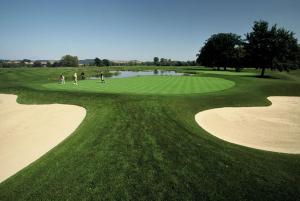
130, 29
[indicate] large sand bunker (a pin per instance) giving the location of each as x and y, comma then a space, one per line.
273, 128
29, 131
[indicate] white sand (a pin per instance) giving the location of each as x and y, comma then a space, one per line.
29, 131
273, 128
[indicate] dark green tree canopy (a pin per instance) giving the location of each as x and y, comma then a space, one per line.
219, 50
156, 61
106, 62
274, 48
37, 64
69, 61
98, 62
26, 60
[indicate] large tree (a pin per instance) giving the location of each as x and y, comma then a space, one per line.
37, 64
163, 62
98, 62
298, 58
219, 50
106, 62
273, 47
239, 59
156, 61
69, 61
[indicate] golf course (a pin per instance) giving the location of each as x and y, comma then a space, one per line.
149, 100
139, 139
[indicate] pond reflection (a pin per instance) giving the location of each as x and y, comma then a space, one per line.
123, 74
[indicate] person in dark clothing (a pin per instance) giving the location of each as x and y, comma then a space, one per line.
82, 75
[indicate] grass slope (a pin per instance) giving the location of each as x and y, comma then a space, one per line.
227, 73
136, 147
149, 85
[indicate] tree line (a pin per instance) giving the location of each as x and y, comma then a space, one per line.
156, 62
104, 62
72, 61
65, 61
168, 62
264, 47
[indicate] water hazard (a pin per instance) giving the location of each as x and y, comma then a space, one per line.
123, 74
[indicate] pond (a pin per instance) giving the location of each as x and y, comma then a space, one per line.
123, 74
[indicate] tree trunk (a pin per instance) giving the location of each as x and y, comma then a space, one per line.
262, 72
225, 68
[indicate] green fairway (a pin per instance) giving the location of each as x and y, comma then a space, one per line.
227, 72
149, 85
136, 147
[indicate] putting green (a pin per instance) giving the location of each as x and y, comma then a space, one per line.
164, 85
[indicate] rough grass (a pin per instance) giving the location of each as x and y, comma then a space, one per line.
164, 85
136, 147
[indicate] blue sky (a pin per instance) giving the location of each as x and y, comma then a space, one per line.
130, 29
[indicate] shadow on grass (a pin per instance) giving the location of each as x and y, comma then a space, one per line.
264, 77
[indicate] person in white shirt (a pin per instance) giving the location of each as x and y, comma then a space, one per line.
62, 79
75, 78
102, 78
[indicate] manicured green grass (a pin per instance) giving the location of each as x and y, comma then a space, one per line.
205, 70
208, 70
227, 72
163, 85
149, 147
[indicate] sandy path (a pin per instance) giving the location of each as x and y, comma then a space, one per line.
273, 128
29, 131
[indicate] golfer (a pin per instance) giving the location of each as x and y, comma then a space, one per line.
82, 75
75, 78
102, 78
62, 79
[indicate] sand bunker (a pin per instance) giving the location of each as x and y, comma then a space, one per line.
273, 128
29, 131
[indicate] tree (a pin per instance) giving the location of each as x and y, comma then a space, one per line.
48, 64
156, 61
163, 61
37, 64
219, 50
271, 47
297, 58
239, 57
25, 62
56, 64
106, 62
285, 50
98, 62
69, 61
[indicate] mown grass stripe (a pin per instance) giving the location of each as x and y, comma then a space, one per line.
163, 85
